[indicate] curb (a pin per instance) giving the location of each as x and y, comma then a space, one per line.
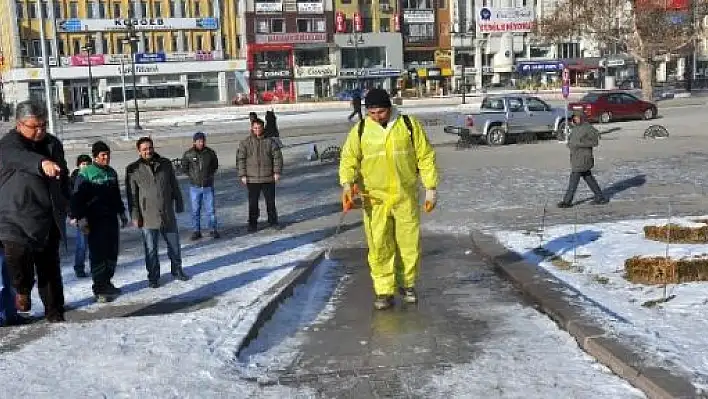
278, 293
556, 299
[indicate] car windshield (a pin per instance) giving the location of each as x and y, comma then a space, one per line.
590, 97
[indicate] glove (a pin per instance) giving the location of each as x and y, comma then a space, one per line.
83, 226
123, 220
431, 199
347, 197
244, 180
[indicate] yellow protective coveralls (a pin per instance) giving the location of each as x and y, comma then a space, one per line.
386, 163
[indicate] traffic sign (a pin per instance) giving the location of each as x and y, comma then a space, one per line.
566, 90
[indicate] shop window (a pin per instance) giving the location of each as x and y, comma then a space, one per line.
20, 7
311, 25
419, 33
369, 57
384, 25
312, 57
272, 60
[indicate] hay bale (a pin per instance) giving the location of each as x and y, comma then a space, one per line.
662, 270
677, 234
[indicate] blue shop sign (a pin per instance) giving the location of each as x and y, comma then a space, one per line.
149, 58
385, 72
525, 68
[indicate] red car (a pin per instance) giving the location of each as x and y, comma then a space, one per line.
605, 107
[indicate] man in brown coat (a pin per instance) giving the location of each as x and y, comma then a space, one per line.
260, 163
583, 138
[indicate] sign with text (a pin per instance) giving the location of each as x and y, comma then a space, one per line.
358, 22
149, 58
82, 60
340, 22
319, 71
504, 19
310, 7
140, 24
374, 73
272, 73
269, 7
418, 16
289, 38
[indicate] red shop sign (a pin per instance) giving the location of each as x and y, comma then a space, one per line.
358, 25
340, 22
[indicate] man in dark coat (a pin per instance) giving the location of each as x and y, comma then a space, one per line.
81, 247
154, 196
96, 206
583, 138
356, 105
34, 182
260, 163
200, 164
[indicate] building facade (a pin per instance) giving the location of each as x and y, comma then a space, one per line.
197, 43
290, 53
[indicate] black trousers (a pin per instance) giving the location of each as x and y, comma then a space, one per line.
573, 185
254, 195
103, 244
23, 261
357, 111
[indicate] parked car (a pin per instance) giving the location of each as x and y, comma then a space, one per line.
605, 107
504, 116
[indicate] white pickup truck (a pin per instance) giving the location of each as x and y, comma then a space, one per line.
501, 117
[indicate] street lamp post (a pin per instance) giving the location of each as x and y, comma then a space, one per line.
88, 48
132, 39
47, 72
355, 39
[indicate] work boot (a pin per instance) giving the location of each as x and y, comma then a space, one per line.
154, 284
112, 289
179, 274
81, 274
103, 293
214, 234
23, 303
383, 302
600, 201
252, 228
195, 236
564, 205
55, 318
409, 295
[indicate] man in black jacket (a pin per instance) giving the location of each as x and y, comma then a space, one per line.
34, 182
200, 163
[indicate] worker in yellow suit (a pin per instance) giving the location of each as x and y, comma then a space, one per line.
383, 159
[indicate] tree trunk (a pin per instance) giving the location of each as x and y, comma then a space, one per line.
646, 77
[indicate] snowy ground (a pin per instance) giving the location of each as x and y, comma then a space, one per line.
595, 254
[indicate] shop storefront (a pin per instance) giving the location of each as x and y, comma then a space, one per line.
385, 78
314, 81
271, 72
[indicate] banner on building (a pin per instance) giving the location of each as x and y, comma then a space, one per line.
140, 24
82, 60
358, 22
340, 23
504, 19
289, 38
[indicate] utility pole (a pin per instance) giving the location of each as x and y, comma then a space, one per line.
45, 66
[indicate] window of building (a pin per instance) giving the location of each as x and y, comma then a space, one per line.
45, 9
116, 10
36, 50
157, 10
57, 10
569, 50
418, 4
32, 10
346, 1
106, 46
420, 33
197, 9
60, 47
272, 60
173, 8
91, 9
275, 25
312, 57
73, 9
185, 9
159, 44
76, 46
102, 10
369, 57
173, 42
131, 10
198, 42
212, 42
20, 7
384, 25
311, 25
144, 9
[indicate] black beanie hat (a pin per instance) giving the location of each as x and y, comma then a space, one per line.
99, 147
377, 98
83, 158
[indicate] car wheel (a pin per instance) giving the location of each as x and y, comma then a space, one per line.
650, 113
605, 117
496, 136
560, 132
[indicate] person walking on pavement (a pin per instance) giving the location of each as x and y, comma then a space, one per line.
154, 196
200, 164
271, 128
260, 164
96, 207
582, 139
384, 155
34, 182
356, 105
81, 246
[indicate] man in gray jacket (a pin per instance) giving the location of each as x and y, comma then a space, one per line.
154, 196
260, 163
583, 138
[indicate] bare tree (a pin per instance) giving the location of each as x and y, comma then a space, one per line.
643, 28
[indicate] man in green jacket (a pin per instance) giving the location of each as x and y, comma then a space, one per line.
583, 138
